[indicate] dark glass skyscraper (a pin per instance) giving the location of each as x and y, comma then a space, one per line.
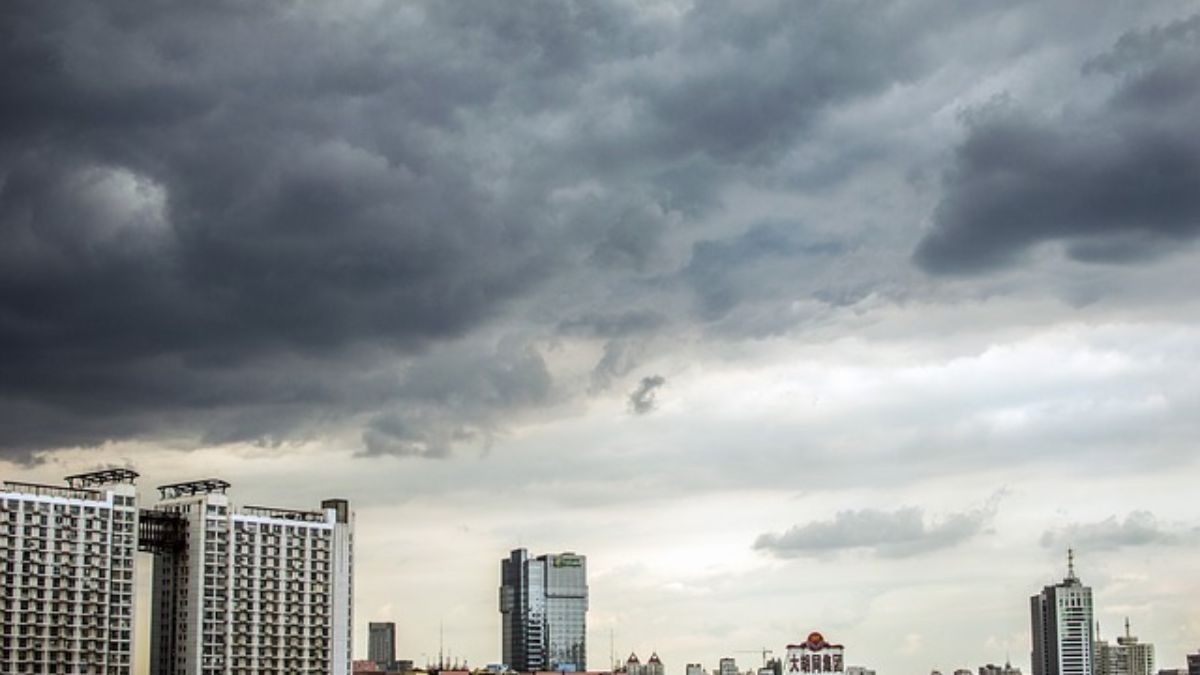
381, 644
543, 608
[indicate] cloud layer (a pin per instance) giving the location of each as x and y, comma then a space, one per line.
900, 533
410, 229
1115, 184
1139, 528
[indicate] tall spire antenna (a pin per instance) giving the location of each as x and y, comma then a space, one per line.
1126, 627
1071, 564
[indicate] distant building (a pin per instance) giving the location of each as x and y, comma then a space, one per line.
815, 655
381, 644
1061, 626
727, 666
543, 608
654, 666
633, 665
1006, 669
695, 669
67, 565
366, 667
1193, 661
1127, 657
963, 671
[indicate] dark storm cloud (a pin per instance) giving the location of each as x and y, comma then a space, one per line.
644, 399
620, 324
1118, 184
457, 398
234, 221
1139, 528
768, 256
802, 58
897, 534
188, 193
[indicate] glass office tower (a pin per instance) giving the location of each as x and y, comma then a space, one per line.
543, 607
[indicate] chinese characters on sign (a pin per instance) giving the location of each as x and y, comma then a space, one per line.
815, 655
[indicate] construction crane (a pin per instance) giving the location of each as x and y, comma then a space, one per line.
764, 652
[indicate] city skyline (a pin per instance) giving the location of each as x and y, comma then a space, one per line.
835, 316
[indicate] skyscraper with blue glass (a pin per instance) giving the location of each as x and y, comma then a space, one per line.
543, 608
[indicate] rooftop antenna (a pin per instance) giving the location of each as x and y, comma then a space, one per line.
1071, 564
612, 650
441, 644
1127, 628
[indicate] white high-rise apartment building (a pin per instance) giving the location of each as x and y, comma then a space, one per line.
256, 591
67, 575
1062, 621
1127, 657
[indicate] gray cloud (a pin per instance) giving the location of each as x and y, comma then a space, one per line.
615, 325
192, 197
232, 223
643, 399
1140, 528
767, 257
900, 533
1117, 184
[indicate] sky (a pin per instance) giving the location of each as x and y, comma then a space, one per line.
791, 316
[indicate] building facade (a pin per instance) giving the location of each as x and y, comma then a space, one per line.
1193, 663
654, 666
694, 669
1127, 657
67, 575
815, 655
381, 644
543, 608
1061, 618
255, 591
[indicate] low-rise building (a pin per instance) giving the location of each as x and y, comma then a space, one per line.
815, 655
993, 669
